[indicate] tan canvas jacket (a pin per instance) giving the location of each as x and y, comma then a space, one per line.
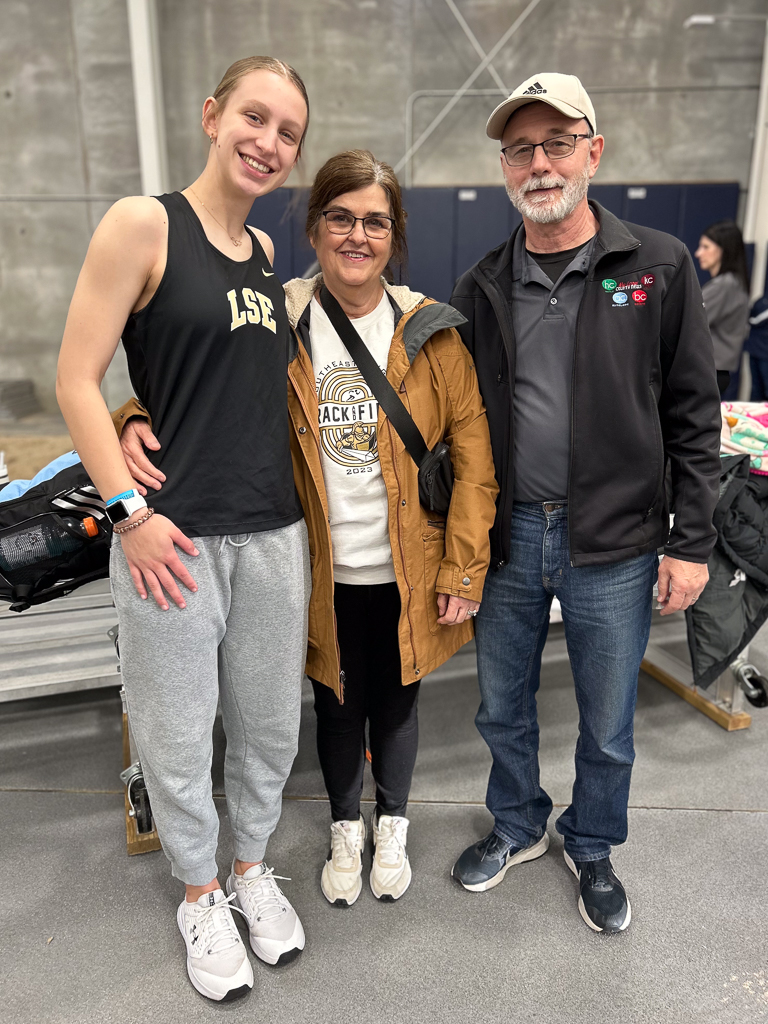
433, 372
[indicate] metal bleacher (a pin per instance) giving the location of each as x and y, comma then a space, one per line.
60, 646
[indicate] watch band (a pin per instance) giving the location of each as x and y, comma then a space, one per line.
122, 506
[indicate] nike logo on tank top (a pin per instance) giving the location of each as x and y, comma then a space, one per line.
208, 358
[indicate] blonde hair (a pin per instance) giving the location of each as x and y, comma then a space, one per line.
244, 67
349, 172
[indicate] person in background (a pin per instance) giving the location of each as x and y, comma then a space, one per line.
192, 293
757, 346
726, 300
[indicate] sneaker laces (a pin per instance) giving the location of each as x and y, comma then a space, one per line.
599, 874
345, 844
390, 841
265, 893
493, 847
217, 926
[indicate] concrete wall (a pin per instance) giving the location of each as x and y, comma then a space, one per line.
68, 128
674, 105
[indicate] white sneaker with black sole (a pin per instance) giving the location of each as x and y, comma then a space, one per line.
275, 931
217, 961
391, 869
342, 876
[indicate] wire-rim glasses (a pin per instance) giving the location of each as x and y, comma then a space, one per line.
557, 148
340, 223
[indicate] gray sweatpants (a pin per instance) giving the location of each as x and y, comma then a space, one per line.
241, 638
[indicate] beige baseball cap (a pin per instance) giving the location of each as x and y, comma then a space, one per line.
563, 92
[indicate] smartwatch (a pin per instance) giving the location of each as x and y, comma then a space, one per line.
122, 506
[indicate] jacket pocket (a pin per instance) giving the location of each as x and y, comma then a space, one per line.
434, 551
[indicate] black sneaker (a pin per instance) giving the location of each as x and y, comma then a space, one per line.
484, 865
603, 902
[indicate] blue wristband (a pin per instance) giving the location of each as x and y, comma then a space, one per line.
133, 493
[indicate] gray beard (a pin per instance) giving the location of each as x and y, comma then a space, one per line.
547, 210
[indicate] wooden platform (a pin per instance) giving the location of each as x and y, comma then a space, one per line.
678, 676
137, 842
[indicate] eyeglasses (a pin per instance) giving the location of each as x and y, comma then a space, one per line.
556, 149
339, 223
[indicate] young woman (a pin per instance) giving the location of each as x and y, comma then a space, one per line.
726, 299
394, 586
202, 317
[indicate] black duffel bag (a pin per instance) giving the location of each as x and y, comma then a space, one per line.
54, 536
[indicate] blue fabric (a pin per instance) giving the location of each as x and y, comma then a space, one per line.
16, 488
759, 369
731, 393
607, 617
757, 339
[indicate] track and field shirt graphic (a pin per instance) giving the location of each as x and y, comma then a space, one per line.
348, 413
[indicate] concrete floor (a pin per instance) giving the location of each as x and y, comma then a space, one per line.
89, 935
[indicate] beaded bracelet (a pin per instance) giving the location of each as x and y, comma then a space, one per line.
132, 526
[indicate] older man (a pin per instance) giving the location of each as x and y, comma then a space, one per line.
596, 366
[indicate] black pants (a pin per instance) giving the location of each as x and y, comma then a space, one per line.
367, 618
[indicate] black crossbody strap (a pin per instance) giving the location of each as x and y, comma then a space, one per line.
383, 391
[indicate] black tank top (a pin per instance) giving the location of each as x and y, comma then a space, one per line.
208, 358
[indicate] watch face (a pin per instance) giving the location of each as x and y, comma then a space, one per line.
117, 512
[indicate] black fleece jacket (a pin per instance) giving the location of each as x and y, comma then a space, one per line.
643, 393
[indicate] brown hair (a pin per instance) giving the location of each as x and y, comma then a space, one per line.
244, 67
349, 172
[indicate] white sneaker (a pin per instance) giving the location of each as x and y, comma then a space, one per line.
391, 869
342, 877
217, 963
275, 931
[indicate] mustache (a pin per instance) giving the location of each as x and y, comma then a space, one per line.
544, 181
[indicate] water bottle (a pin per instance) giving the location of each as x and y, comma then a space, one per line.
44, 540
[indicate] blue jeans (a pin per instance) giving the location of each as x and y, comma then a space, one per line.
759, 368
607, 619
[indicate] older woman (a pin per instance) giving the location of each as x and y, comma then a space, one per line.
394, 586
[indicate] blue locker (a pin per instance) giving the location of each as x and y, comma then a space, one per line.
431, 240
482, 223
609, 196
270, 214
450, 229
303, 253
654, 206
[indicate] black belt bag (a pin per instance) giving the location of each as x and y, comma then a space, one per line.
435, 469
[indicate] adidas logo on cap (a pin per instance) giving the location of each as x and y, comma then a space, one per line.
564, 93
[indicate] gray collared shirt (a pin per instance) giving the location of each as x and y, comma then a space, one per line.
545, 333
